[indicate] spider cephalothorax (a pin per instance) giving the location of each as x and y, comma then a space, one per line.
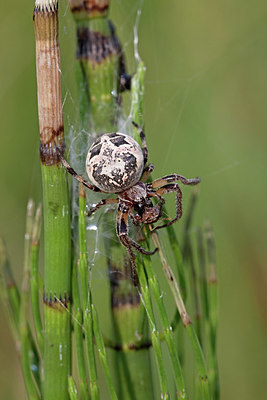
116, 164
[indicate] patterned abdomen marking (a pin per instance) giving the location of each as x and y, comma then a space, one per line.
114, 162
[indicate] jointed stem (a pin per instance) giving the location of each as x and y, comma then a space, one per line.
77, 321
34, 281
23, 320
155, 335
167, 331
202, 371
90, 315
85, 282
56, 207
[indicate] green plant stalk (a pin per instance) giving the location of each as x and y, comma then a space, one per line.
130, 341
155, 334
85, 281
34, 279
10, 297
213, 312
178, 259
179, 255
195, 290
73, 392
167, 331
56, 207
137, 97
200, 361
97, 68
77, 321
90, 314
102, 354
98, 85
203, 283
130, 321
88, 326
137, 112
9, 294
187, 248
23, 320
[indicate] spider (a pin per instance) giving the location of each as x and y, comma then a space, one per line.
116, 164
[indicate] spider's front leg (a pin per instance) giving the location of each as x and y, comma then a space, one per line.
173, 178
174, 187
126, 241
78, 177
147, 171
101, 203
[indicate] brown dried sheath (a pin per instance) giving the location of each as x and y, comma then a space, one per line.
96, 8
48, 71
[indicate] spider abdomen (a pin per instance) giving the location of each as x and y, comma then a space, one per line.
114, 162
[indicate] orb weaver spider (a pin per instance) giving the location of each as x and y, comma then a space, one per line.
116, 164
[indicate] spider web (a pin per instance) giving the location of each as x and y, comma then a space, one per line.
172, 97
75, 138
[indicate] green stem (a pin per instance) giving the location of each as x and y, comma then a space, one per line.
9, 294
56, 207
23, 322
102, 354
34, 280
12, 300
201, 367
167, 331
85, 280
73, 393
90, 316
137, 97
203, 281
98, 75
77, 321
155, 335
213, 311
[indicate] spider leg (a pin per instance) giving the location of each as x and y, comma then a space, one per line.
174, 187
157, 195
143, 141
122, 232
173, 178
101, 203
147, 171
140, 249
75, 175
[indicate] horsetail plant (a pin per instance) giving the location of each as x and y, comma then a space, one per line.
56, 204
100, 72
139, 314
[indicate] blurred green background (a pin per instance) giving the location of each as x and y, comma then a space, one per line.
206, 101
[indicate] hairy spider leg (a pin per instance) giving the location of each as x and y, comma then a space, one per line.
122, 229
173, 187
143, 141
77, 176
126, 241
122, 232
157, 195
101, 203
173, 178
146, 172
140, 249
